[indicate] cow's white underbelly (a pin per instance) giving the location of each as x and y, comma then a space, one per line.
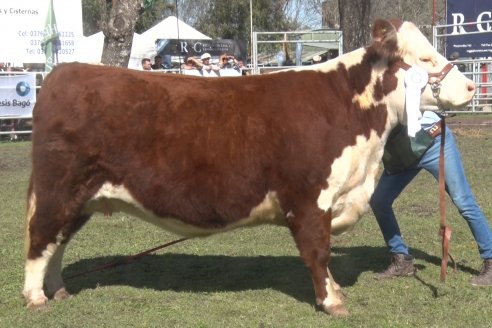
350, 186
351, 182
117, 198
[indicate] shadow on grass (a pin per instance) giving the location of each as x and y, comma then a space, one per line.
355, 260
198, 273
207, 273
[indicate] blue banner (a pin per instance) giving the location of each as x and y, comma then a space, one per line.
463, 41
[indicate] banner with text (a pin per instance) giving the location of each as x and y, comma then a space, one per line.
17, 95
22, 29
463, 39
216, 48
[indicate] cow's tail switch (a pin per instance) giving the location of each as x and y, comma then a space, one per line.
31, 209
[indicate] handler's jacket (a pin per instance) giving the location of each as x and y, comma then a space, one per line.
402, 151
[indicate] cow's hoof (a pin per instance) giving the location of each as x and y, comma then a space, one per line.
61, 294
38, 304
341, 295
337, 310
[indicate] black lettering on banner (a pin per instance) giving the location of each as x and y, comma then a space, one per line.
5, 103
21, 103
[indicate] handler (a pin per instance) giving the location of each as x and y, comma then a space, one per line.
403, 159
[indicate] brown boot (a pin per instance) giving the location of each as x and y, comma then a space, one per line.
401, 266
484, 278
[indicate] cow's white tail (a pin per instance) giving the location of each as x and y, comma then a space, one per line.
31, 209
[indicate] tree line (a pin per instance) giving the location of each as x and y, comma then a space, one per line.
230, 19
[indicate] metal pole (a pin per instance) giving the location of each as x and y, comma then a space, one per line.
251, 29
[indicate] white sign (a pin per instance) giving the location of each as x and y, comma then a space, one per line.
17, 95
22, 25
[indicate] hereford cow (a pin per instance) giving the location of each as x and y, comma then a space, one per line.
198, 156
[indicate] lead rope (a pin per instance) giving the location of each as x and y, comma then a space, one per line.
444, 229
126, 260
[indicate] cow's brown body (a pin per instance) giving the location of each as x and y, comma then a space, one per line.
198, 156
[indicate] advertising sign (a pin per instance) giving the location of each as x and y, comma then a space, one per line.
469, 40
17, 95
22, 29
216, 48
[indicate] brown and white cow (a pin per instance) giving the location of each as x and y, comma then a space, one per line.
199, 156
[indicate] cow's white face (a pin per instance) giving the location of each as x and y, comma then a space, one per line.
456, 89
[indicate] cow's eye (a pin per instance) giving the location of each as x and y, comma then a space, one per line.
428, 61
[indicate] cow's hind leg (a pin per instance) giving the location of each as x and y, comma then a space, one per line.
53, 282
311, 231
46, 237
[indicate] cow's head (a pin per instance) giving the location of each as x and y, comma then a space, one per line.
404, 46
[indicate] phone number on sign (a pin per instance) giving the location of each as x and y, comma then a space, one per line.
68, 51
69, 43
62, 34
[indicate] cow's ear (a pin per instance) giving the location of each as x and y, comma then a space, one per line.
383, 30
385, 39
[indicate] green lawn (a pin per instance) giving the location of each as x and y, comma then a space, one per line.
251, 277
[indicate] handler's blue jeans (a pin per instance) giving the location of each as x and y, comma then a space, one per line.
390, 186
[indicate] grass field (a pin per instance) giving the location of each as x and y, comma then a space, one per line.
252, 277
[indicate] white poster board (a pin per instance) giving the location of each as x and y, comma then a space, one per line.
17, 95
22, 28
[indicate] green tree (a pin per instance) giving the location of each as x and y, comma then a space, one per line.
225, 19
230, 19
91, 15
155, 11
118, 20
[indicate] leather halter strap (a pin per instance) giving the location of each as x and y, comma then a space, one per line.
436, 77
439, 76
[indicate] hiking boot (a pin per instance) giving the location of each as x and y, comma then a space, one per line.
401, 266
484, 278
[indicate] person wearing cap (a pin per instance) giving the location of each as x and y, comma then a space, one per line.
404, 157
206, 65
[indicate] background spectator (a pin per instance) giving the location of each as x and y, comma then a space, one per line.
191, 63
146, 64
205, 58
158, 63
227, 61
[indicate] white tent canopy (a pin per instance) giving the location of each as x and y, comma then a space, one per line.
143, 44
169, 28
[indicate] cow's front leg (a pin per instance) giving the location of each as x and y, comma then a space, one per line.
311, 231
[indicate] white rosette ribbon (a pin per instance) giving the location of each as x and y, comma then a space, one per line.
415, 80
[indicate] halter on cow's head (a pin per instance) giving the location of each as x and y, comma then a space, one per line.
421, 70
